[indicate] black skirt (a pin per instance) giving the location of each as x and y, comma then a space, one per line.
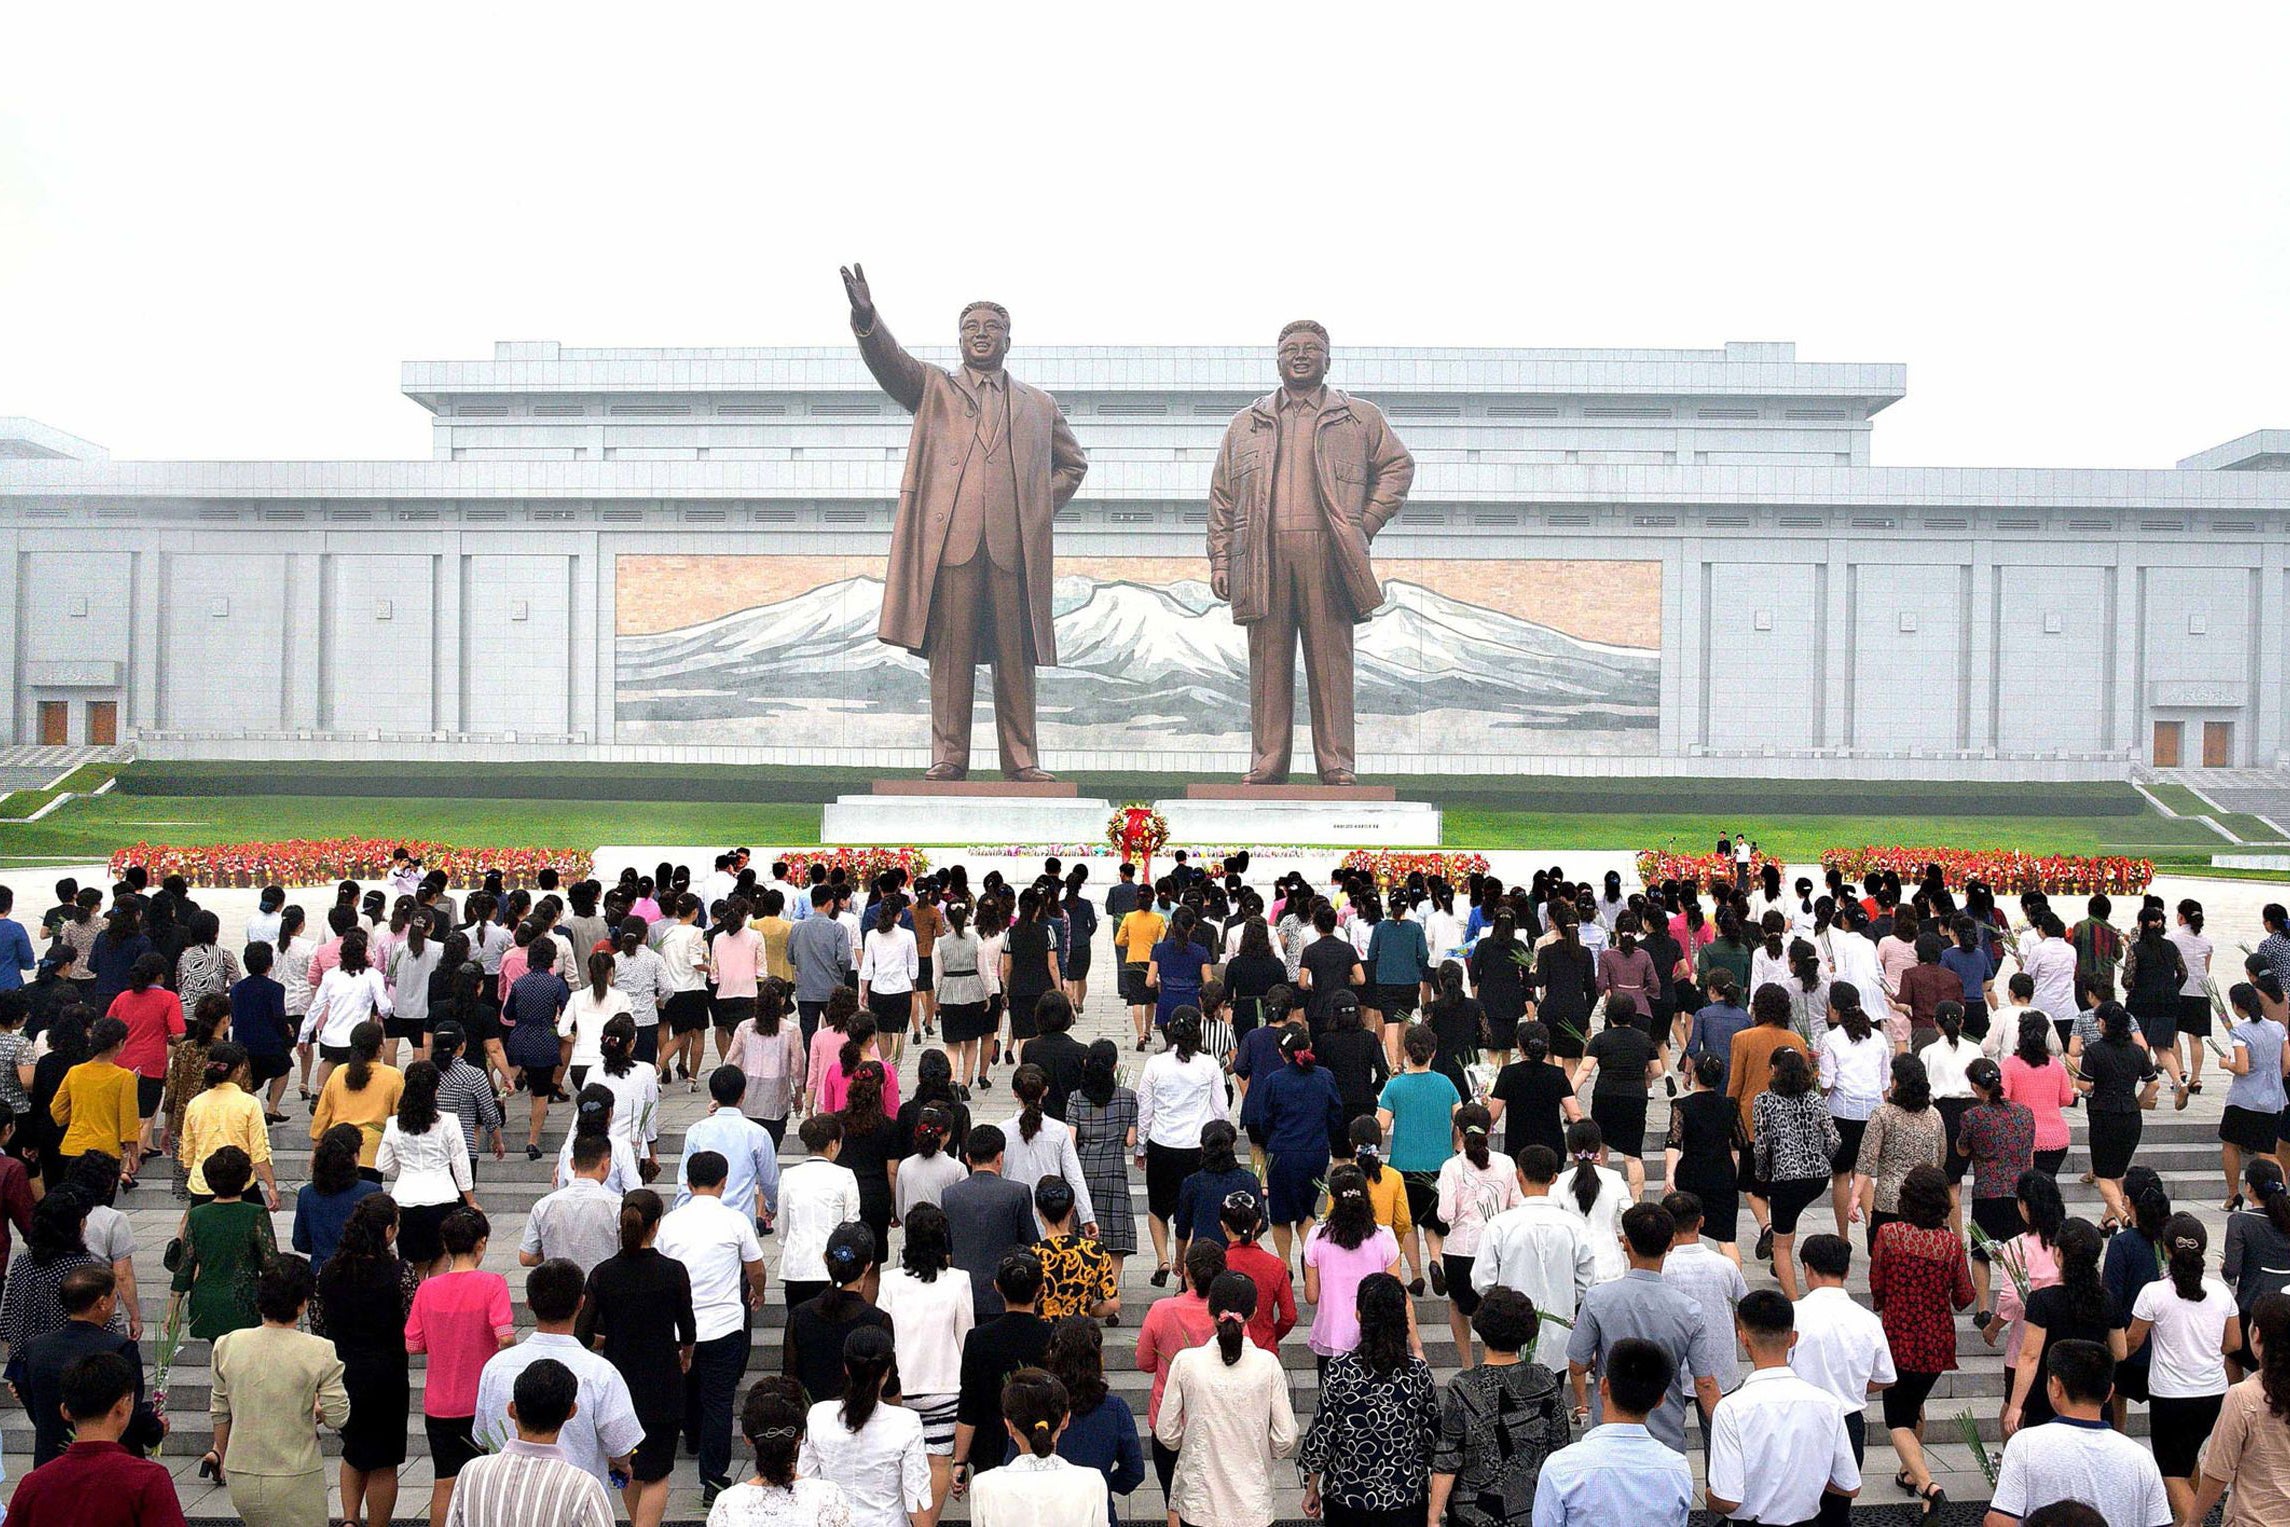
1621, 1119
2114, 1140
965, 1021
2194, 1016
375, 1435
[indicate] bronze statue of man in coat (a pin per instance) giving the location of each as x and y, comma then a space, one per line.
1306, 477
988, 465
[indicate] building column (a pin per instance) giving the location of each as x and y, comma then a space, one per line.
447, 680
1837, 649
149, 571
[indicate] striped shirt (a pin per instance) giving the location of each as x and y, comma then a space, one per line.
527, 1484
465, 1091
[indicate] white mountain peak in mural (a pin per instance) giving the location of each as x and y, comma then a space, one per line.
1134, 651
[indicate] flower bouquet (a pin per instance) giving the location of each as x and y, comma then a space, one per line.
2000, 1254
1702, 872
170, 1343
1969, 1429
1389, 867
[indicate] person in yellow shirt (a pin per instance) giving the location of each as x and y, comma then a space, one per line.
1387, 1189
226, 1113
97, 1107
1133, 941
775, 928
364, 1092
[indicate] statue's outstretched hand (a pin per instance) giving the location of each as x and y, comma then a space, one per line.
855, 287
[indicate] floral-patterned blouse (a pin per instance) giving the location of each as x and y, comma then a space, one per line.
1896, 1142
1918, 1279
1372, 1437
1077, 1275
2000, 1138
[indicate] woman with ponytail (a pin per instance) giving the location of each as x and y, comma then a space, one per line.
1596, 1195
585, 1016
775, 1424
638, 1313
227, 1113
2257, 1243
1225, 1414
2255, 1056
870, 1152
861, 1046
1500, 979
362, 1091
458, 1320
412, 959
1796, 1147
593, 1114
2074, 1307
958, 980
430, 1155
2196, 1326
1366, 1456
1299, 1114
1567, 977
635, 1089
1040, 1146
872, 1451
1474, 1186
1179, 1092
928, 1168
365, 1293
1533, 1098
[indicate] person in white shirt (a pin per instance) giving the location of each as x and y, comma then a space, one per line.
2077, 1456
815, 1197
592, 1115
430, 1155
872, 1451
579, 1222
889, 965
717, 885
717, 1245
746, 1146
1180, 1090
642, 977
1841, 1346
1038, 1146
1707, 1277
929, 1301
634, 1085
2050, 964
2195, 1326
584, 1018
352, 993
773, 1419
604, 1430
1037, 1488
2004, 1024
683, 949
1542, 1251
1778, 1444
1595, 1194
1225, 1409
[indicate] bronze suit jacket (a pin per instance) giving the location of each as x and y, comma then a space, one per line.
1364, 473
1049, 462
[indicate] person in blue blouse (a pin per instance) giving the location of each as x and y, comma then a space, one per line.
1100, 1431
1176, 966
1297, 1110
16, 955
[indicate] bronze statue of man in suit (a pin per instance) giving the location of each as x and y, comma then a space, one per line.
1305, 479
988, 466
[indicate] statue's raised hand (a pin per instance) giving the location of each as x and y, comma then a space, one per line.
862, 301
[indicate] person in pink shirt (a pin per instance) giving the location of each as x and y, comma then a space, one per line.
1173, 1324
735, 957
328, 956
154, 1019
858, 1047
2038, 1080
1340, 1251
827, 1045
460, 1318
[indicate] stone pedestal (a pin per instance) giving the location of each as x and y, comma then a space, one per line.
1311, 815
965, 811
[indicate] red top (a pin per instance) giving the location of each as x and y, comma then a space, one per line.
1275, 1313
457, 1318
1917, 1280
96, 1484
1171, 1326
153, 1016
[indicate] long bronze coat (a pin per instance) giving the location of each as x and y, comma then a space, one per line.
1050, 465
1364, 473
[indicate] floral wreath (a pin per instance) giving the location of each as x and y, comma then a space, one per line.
1137, 831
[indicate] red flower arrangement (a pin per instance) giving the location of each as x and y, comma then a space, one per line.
1704, 872
2004, 871
315, 861
1389, 867
859, 865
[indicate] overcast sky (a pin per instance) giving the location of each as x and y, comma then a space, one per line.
222, 228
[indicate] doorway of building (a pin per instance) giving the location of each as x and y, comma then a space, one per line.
55, 723
2218, 744
2168, 735
102, 723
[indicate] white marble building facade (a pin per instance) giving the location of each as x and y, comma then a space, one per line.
1613, 561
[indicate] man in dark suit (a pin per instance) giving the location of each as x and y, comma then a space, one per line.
988, 1215
89, 1296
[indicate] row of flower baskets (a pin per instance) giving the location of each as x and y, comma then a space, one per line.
315, 861
2006, 871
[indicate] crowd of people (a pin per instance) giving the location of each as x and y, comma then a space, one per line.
1353, 1097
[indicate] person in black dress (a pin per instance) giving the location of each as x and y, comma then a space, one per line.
1532, 1098
812, 1354
1566, 975
1355, 1058
1627, 1062
1250, 975
1329, 969
1501, 980
1030, 967
1698, 1154
871, 1151
366, 1292
640, 1302
1460, 1025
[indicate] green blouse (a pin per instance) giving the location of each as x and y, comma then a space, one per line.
225, 1246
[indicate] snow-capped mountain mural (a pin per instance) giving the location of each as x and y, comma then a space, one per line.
1153, 666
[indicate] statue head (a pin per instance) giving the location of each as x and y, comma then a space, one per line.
985, 335
1301, 356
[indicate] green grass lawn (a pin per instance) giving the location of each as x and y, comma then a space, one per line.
584, 805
